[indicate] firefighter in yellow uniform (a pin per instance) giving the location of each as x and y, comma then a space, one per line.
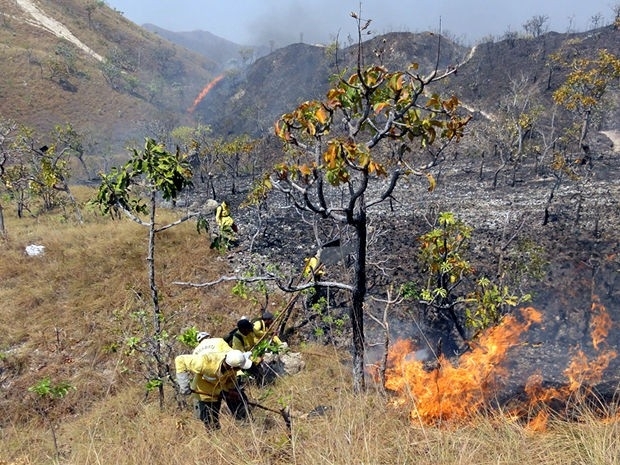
244, 338
205, 343
261, 326
313, 268
248, 335
211, 376
226, 225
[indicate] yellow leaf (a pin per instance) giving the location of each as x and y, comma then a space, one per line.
305, 170
432, 183
396, 82
322, 115
332, 153
378, 107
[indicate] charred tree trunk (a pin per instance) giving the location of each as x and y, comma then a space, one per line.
357, 306
583, 139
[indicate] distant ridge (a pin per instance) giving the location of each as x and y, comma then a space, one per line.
226, 53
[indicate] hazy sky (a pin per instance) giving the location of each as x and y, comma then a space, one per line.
258, 22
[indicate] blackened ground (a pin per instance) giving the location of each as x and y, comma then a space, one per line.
577, 252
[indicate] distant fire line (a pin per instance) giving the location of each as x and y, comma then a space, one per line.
204, 92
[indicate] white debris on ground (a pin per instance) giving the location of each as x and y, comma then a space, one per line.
33, 250
289, 363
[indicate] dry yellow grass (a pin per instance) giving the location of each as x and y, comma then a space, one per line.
62, 312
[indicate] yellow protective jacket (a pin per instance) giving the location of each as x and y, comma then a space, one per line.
260, 328
211, 380
311, 268
222, 216
212, 344
244, 343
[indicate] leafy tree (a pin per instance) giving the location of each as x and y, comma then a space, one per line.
450, 292
233, 155
63, 65
133, 191
247, 55
329, 173
91, 6
68, 140
35, 171
511, 130
154, 89
15, 173
583, 94
583, 91
8, 130
196, 141
216, 157
111, 73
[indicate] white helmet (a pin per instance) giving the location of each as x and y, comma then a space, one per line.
238, 359
202, 335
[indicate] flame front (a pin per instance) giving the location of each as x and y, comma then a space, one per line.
204, 92
451, 392
600, 323
454, 393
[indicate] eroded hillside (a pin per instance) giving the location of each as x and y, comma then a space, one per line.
68, 62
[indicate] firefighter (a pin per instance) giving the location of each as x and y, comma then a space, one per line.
249, 333
244, 338
214, 378
261, 326
226, 225
204, 343
313, 268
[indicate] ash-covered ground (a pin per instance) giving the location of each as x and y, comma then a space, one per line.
577, 251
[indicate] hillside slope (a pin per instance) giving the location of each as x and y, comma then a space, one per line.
251, 101
225, 53
65, 62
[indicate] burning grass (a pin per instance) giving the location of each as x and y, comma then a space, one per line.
122, 428
452, 392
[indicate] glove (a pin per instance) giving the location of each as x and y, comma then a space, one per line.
183, 380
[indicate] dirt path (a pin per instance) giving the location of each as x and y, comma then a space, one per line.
40, 19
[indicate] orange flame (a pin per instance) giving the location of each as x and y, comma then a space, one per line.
580, 373
456, 393
204, 92
600, 323
539, 422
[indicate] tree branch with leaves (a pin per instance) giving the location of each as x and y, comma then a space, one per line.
348, 152
133, 190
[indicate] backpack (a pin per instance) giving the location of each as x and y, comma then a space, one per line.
229, 337
233, 332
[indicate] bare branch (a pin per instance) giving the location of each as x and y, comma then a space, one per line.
289, 287
189, 216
